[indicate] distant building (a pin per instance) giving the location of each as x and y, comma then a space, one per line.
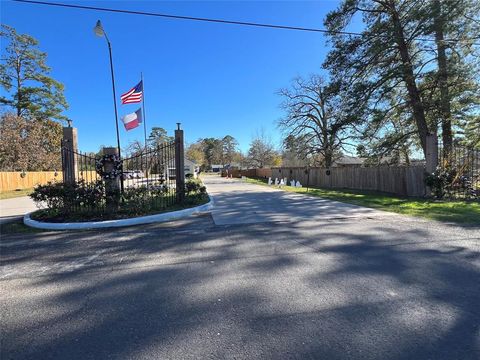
346, 160
191, 167
217, 168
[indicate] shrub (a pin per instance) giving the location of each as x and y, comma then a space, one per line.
81, 200
62, 197
444, 182
136, 199
52, 195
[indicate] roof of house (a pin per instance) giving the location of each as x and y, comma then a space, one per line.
349, 160
190, 162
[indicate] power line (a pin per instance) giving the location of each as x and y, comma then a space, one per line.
179, 17
219, 21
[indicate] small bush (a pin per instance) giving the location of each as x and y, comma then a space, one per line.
192, 186
444, 182
87, 201
62, 197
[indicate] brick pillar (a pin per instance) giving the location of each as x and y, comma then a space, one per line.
179, 164
69, 157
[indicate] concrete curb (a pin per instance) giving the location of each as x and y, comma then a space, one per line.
163, 217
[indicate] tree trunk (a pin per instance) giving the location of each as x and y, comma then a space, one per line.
409, 79
328, 158
438, 24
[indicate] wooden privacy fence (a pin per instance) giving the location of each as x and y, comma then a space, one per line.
398, 180
401, 180
253, 173
17, 180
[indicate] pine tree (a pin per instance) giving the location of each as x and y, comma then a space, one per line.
24, 75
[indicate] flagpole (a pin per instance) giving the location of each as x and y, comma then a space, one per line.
143, 111
144, 126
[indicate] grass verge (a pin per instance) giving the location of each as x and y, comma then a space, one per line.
14, 193
464, 212
17, 227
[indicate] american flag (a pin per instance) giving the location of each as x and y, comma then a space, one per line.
134, 95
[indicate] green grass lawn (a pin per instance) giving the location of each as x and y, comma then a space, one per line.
453, 211
15, 193
17, 227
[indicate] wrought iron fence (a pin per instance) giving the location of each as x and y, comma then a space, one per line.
142, 182
152, 169
459, 170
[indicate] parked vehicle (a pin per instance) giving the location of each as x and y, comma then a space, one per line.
133, 174
138, 174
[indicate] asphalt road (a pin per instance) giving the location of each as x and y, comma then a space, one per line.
371, 287
238, 202
14, 208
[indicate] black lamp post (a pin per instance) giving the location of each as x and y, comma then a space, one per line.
100, 32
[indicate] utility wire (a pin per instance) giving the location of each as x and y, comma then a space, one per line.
220, 21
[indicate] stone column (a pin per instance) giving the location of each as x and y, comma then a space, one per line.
69, 155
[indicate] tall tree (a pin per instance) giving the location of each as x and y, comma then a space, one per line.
212, 150
455, 20
315, 116
389, 137
158, 136
383, 58
420, 51
24, 75
262, 152
295, 152
30, 145
229, 149
194, 152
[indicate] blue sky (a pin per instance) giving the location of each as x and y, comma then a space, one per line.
215, 79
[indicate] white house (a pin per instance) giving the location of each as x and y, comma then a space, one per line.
191, 167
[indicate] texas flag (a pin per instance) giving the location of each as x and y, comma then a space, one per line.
131, 121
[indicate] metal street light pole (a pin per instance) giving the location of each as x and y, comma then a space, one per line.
99, 31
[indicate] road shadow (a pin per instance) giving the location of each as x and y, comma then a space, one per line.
341, 289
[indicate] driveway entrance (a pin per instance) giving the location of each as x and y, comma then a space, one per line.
237, 202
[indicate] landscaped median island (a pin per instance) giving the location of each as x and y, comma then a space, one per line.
91, 202
455, 211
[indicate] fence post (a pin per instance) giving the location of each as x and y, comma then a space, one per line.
112, 185
69, 156
179, 164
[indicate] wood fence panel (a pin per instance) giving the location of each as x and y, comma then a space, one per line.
11, 180
264, 173
401, 181
14, 181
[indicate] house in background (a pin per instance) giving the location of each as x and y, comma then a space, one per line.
217, 168
191, 167
346, 160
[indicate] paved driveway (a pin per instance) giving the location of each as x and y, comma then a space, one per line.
15, 208
345, 288
238, 202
